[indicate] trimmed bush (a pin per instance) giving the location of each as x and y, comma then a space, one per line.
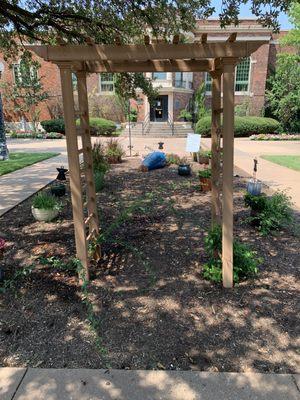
54, 125
243, 126
101, 127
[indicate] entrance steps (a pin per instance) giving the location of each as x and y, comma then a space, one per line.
158, 129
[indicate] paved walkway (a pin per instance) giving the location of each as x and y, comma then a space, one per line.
23, 183
85, 384
273, 175
19, 185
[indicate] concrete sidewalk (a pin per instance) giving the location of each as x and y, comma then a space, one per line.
89, 384
273, 175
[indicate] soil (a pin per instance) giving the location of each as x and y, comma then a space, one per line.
153, 307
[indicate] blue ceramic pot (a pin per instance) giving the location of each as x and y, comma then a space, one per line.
184, 170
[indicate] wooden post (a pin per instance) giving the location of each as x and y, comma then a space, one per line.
87, 152
215, 147
74, 165
228, 144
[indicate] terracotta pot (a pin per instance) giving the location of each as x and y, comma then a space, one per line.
114, 160
203, 160
205, 184
44, 215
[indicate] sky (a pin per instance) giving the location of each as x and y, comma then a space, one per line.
246, 12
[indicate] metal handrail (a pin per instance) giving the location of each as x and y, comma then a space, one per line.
171, 123
146, 124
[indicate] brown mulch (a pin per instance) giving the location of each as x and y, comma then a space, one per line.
153, 306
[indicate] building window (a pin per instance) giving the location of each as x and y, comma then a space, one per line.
179, 80
159, 75
107, 82
24, 74
207, 82
242, 75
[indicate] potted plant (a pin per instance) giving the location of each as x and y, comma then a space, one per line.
204, 157
45, 207
58, 189
184, 167
205, 179
185, 115
114, 152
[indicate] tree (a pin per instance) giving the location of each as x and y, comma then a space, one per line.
27, 92
292, 38
284, 93
3, 147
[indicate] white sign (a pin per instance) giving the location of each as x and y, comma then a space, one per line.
193, 143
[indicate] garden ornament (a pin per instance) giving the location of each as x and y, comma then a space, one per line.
160, 145
253, 186
61, 173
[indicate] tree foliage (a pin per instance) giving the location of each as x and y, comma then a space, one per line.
292, 38
27, 92
284, 91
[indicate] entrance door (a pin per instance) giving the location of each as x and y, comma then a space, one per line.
159, 109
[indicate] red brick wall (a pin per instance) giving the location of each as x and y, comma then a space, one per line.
51, 82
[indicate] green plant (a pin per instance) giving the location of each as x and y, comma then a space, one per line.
54, 125
173, 158
205, 173
99, 161
183, 161
45, 201
245, 260
186, 115
114, 151
270, 213
243, 126
243, 109
99, 180
101, 126
199, 102
132, 117
283, 94
53, 135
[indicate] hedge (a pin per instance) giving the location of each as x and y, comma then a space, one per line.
243, 126
54, 125
101, 126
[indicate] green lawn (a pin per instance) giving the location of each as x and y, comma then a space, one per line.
21, 160
292, 162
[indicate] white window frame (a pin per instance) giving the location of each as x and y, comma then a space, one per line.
107, 83
238, 93
16, 66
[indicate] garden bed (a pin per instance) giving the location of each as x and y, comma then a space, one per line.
152, 306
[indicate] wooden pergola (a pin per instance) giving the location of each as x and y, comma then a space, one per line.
218, 58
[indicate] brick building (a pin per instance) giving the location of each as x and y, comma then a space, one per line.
175, 89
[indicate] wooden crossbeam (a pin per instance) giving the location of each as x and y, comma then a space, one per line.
140, 52
149, 66
204, 38
232, 37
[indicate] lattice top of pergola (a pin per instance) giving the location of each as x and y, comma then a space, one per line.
207, 54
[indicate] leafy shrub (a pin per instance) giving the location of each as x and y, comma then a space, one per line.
99, 160
101, 126
173, 158
186, 115
132, 117
205, 173
282, 136
54, 135
269, 213
45, 201
99, 180
245, 261
54, 125
243, 126
114, 151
